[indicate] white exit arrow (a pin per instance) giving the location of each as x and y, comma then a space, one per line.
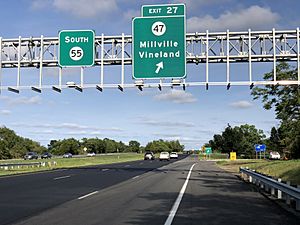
159, 67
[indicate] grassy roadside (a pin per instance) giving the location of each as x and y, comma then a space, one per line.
69, 163
286, 170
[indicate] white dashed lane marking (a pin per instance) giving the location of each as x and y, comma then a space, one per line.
59, 178
87, 195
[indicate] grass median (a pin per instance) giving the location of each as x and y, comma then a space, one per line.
286, 170
58, 163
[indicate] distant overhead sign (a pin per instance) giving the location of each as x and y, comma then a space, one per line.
76, 48
208, 150
260, 148
159, 42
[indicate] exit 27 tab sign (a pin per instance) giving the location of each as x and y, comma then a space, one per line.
159, 42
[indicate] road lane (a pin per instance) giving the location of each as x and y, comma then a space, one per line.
25, 196
146, 199
212, 196
216, 197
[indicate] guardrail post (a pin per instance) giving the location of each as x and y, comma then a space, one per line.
272, 191
298, 201
287, 197
242, 174
261, 184
279, 193
266, 188
250, 179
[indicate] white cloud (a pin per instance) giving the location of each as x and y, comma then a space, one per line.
77, 132
128, 15
5, 112
176, 96
193, 5
241, 104
39, 4
70, 126
165, 135
35, 100
254, 17
86, 8
43, 132
163, 123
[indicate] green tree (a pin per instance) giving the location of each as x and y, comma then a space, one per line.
66, 145
250, 137
285, 99
273, 142
94, 145
134, 146
14, 146
164, 146
232, 139
4, 151
175, 146
217, 143
238, 139
110, 145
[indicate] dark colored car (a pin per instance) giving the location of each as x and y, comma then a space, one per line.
149, 155
46, 155
31, 155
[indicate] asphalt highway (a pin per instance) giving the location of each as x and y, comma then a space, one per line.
141, 192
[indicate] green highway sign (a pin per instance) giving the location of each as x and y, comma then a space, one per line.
208, 150
159, 45
163, 10
76, 48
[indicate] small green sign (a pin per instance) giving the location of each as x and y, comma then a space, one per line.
163, 10
76, 48
208, 150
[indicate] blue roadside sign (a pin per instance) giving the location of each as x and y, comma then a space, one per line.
260, 148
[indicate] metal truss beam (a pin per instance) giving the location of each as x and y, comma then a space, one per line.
202, 48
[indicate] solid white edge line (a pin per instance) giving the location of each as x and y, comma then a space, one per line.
179, 198
58, 178
135, 177
85, 196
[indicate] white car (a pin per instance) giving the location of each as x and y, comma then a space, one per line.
173, 155
274, 155
164, 156
91, 154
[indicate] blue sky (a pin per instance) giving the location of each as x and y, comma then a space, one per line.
192, 116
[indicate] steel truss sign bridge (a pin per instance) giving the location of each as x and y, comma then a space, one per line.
206, 49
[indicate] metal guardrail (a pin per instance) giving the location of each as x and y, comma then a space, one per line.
8, 166
275, 187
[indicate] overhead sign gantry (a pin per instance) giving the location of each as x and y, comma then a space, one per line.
158, 51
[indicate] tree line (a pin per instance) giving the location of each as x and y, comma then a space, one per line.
285, 99
14, 146
239, 139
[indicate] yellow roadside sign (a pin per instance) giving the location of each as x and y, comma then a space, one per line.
232, 155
